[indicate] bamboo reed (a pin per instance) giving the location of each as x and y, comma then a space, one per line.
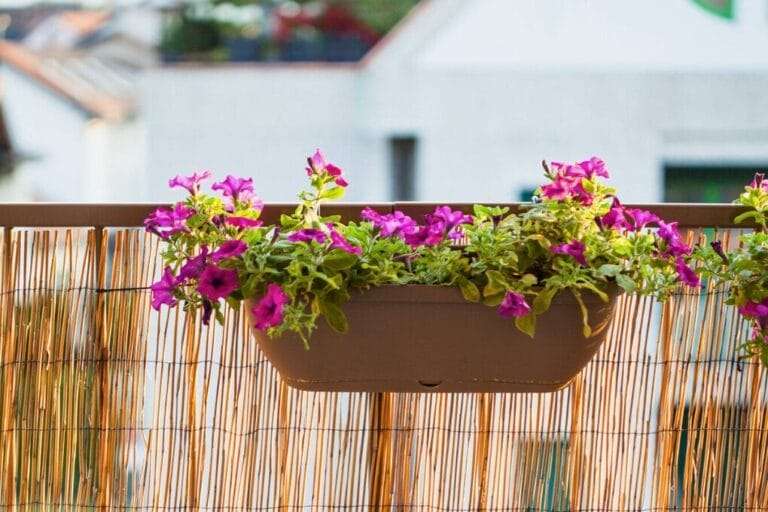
108, 405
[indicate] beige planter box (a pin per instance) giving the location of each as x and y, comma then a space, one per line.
429, 339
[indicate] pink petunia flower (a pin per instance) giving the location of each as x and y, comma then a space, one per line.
162, 290
674, 242
217, 283
514, 305
229, 249
307, 235
429, 235
616, 217
757, 310
195, 266
574, 249
759, 182
268, 312
191, 183
339, 242
641, 218
165, 221
686, 274
242, 222
238, 190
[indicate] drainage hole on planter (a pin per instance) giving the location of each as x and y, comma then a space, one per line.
430, 383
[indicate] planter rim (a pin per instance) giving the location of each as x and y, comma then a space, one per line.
447, 294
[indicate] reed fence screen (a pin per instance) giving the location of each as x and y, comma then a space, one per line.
108, 405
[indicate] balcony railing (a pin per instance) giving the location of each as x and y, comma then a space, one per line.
106, 404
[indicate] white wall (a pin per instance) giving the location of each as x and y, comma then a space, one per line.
66, 155
259, 121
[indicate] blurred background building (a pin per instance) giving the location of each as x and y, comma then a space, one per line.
442, 100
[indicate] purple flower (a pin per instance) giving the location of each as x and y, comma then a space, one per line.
641, 218
451, 220
162, 291
339, 242
165, 221
670, 234
216, 283
242, 222
575, 249
431, 234
229, 249
615, 218
566, 187
307, 235
594, 167
207, 310
268, 312
332, 170
759, 181
514, 304
717, 246
757, 310
194, 266
391, 224
240, 190
686, 273
316, 164
191, 183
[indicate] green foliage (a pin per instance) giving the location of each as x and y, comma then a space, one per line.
319, 262
743, 270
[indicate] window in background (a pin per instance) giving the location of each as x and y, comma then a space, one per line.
402, 157
706, 183
526, 194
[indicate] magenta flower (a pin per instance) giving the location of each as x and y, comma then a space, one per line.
686, 274
594, 167
757, 310
759, 182
615, 218
339, 242
392, 224
451, 219
229, 249
514, 305
430, 235
216, 283
574, 249
316, 163
242, 222
194, 266
191, 183
268, 312
307, 235
238, 190
670, 234
165, 221
641, 218
162, 290
565, 187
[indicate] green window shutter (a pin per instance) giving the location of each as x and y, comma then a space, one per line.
722, 8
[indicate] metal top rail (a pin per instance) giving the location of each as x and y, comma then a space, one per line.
57, 215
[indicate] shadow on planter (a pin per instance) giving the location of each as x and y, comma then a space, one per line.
429, 339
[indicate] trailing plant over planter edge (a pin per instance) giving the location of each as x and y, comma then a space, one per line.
576, 238
744, 269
